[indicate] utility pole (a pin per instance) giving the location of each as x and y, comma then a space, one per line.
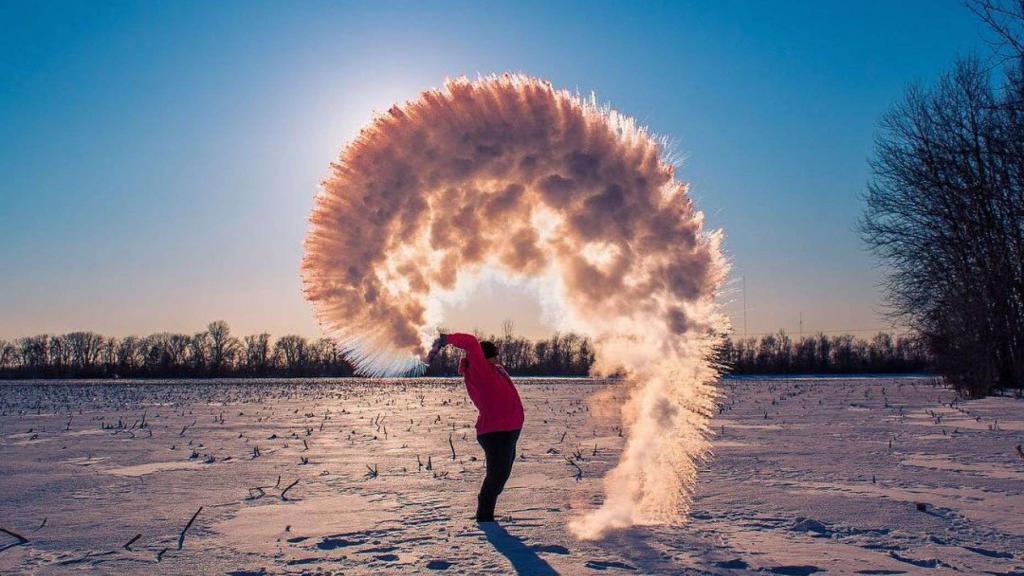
744, 306
801, 325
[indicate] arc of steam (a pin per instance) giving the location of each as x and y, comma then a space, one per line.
507, 173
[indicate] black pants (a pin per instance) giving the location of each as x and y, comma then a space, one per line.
500, 450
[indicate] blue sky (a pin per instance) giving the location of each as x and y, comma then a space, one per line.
159, 159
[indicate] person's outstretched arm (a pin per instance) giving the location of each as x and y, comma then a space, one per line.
467, 342
471, 345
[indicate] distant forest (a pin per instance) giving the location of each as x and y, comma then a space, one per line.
216, 353
821, 354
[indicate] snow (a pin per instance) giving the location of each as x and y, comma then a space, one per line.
809, 475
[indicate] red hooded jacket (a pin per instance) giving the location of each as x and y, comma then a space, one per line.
489, 387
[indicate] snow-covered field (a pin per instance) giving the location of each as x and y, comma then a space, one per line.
358, 477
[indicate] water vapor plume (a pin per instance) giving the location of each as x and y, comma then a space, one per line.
508, 174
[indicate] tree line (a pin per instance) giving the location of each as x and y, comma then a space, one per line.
821, 354
945, 211
212, 353
216, 353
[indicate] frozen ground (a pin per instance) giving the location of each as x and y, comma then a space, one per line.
808, 475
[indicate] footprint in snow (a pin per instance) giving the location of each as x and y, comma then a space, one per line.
735, 564
335, 543
811, 525
989, 553
794, 570
606, 564
551, 549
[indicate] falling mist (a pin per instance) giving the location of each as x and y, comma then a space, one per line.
508, 174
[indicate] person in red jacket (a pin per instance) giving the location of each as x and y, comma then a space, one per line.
501, 413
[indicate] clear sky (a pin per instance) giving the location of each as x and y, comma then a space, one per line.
158, 160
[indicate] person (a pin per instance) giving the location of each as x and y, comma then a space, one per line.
501, 413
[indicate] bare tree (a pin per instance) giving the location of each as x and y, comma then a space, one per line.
223, 346
7, 355
108, 356
199, 352
257, 352
322, 355
292, 352
1006, 19
34, 352
59, 354
176, 348
129, 354
945, 213
85, 348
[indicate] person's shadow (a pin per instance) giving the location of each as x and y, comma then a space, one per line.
524, 560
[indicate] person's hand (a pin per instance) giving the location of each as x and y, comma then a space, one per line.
429, 358
439, 343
